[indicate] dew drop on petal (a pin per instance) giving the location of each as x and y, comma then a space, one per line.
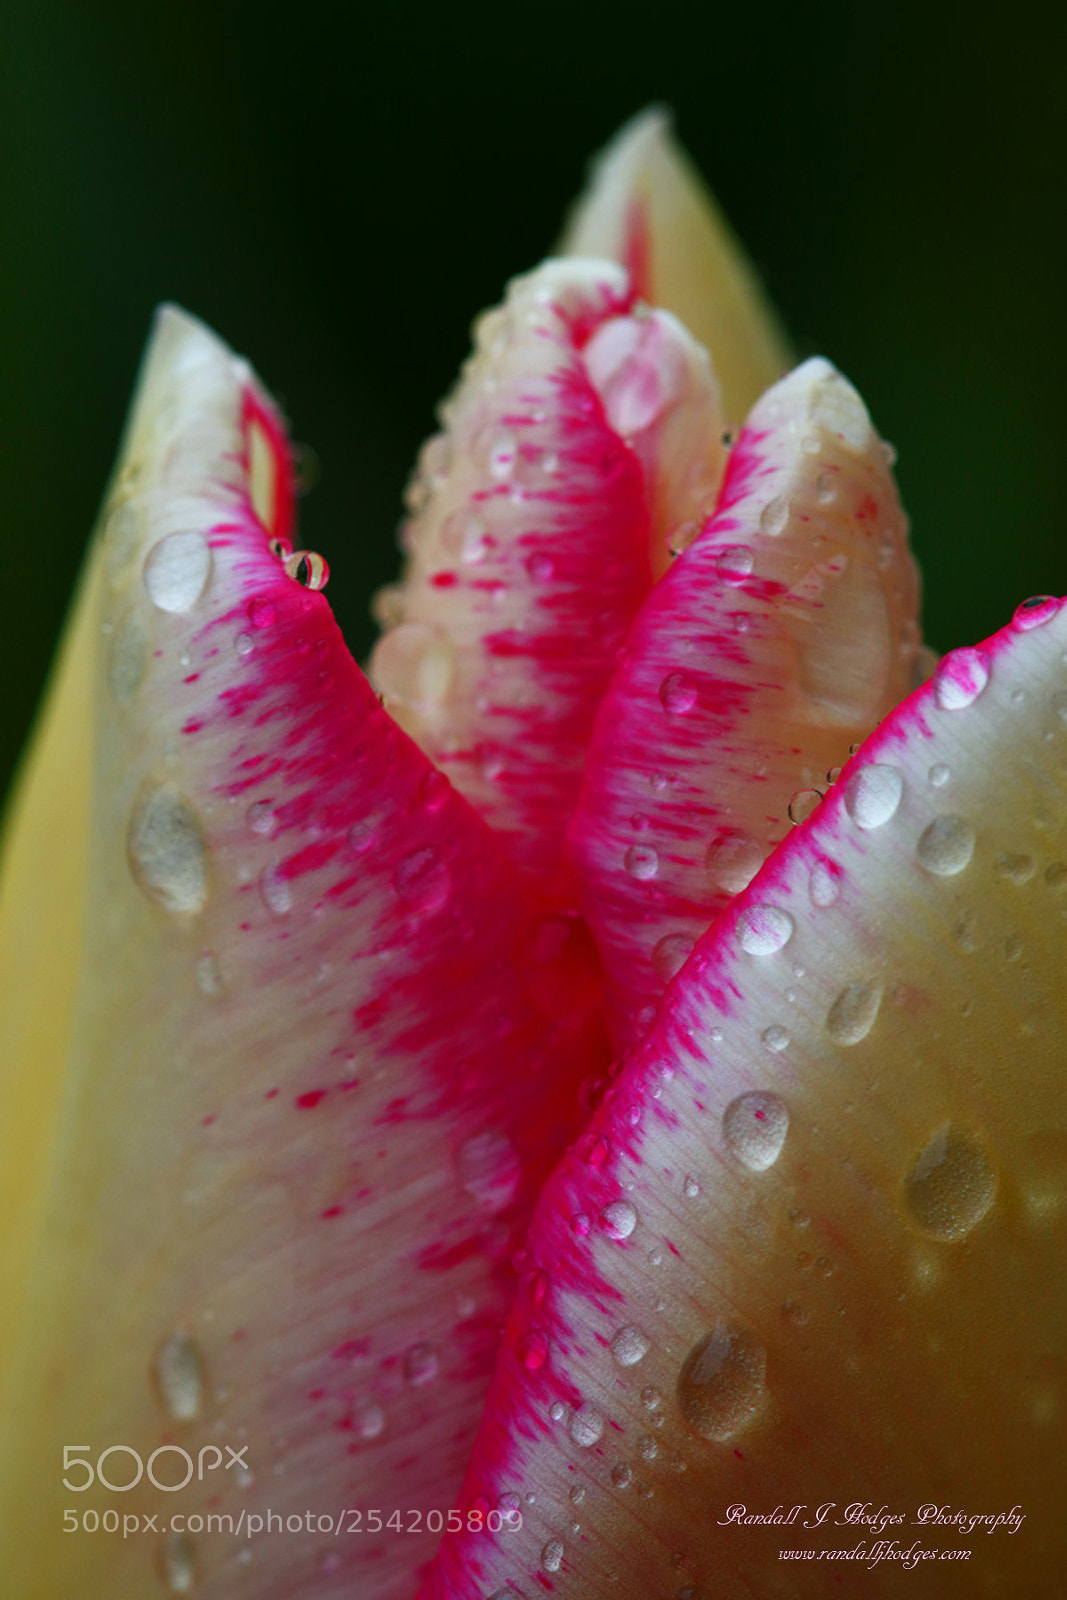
763, 930
960, 678
423, 881
618, 1219
244, 644
678, 693
774, 516
629, 1346
421, 1364
275, 891
642, 862
369, 1420
873, 794
178, 1371
552, 1556
1035, 612
823, 884
670, 955
178, 1561
489, 1169
722, 1382
803, 805
735, 563
533, 1349
946, 846
176, 571
851, 1017
208, 975
952, 1185
166, 851
586, 1425
754, 1127
307, 568
775, 1038
733, 861
260, 817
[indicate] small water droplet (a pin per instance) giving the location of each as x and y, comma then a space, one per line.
823, 884
1018, 869
946, 846
179, 1563
873, 794
260, 817
722, 1383
803, 805
629, 1346
465, 535
369, 1420
647, 1448
774, 516
586, 1425
208, 975
938, 775
307, 568
763, 930
735, 563
670, 955
754, 1127
1035, 612
533, 1349
502, 454
621, 1475
690, 1186
489, 1169
244, 644
733, 861
618, 1219
952, 1185
280, 548
678, 693
651, 1398
960, 678
179, 1377
423, 881
541, 568
775, 1038
825, 488
551, 1556
165, 849
176, 571
851, 1017
642, 862
275, 892
421, 1364
681, 537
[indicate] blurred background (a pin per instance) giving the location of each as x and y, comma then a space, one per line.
338, 189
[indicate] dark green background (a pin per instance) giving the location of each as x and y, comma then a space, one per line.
339, 188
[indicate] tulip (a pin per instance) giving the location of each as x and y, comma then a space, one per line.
318, 989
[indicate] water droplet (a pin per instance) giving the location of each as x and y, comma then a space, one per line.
630, 1345
280, 548
735, 563
851, 1017
803, 805
681, 537
502, 454
733, 861
208, 975
260, 816
651, 1398
647, 1448
873, 794
1018, 869
465, 536
275, 892
586, 1425
678, 693
754, 1127
774, 516
533, 1349
307, 568
621, 1475
577, 1494
763, 930
960, 678
369, 1420
952, 1184
670, 955
823, 884
414, 664
642, 862
541, 568
179, 1375
690, 1186
421, 1365
423, 881
166, 851
552, 1556
938, 775
618, 1219
774, 1038
489, 1169
261, 612
1035, 612
176, 571
179, 1563
946, 846
825, 488
244, 644
722, 1383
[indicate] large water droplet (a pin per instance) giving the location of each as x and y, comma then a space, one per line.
489, 1169
946, 846
1035, 612
166, 851
733, 861
873, 794
754, 1127
851, 1017
763, 930
722, 1383
552, 1556
176, 571
586, 1425
307, 568
952, 1185
960, 678
678, 693
179, 1563
642, 862
630, 1345
618, 1219
179, 1376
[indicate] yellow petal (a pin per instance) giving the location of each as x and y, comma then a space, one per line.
647, 207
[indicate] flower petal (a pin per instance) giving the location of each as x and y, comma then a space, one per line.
323, 1053
780, 637
827, 1268
648, 208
